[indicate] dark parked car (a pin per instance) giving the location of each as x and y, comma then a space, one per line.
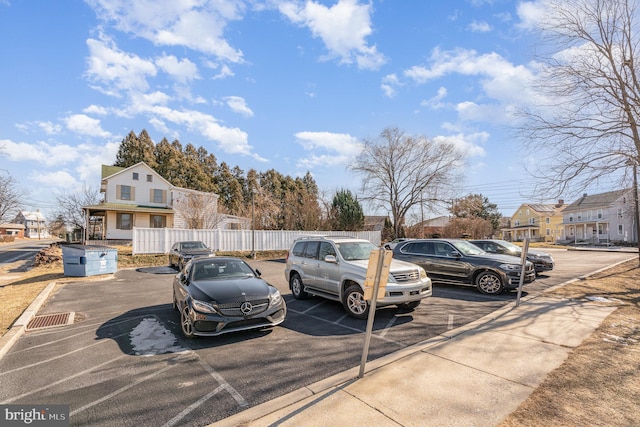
182, 252
542, 261
461, 262
217, 295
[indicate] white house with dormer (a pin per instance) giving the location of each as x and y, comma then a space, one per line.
138, 196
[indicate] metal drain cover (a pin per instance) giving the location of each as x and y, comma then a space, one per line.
50, 321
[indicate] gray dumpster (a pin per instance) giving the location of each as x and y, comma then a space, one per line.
88, 260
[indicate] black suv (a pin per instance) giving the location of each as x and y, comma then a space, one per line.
461, 262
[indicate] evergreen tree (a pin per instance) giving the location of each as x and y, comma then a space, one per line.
347, 210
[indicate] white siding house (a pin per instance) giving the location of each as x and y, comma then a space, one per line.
139, 197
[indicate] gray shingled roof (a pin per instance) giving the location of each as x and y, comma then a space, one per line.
596, 201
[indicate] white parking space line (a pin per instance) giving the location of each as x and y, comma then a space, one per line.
173, 421
450, 324
62, 355
121, 390
64, 380
322, 319
312, 307
387, 327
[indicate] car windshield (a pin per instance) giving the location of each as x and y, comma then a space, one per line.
510, 246
467, 248
193, 245
221, 269
352, 251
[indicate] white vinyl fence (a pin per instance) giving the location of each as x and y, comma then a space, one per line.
159, 240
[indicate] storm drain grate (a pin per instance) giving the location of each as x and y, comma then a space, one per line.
50, 321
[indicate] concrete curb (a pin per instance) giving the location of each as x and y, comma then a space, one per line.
19, 326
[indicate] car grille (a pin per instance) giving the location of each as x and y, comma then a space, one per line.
406, 276
233, 308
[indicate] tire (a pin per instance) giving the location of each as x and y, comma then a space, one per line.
354, 303
186, 324
489, 283
409, 306
297, 287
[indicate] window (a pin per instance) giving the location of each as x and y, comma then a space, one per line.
620, 229
311, 250
619, 212
157, 196
547, 220
149, 178
570, 218
135, 176
589, 214
158, 221
124, 221
600, 214
532, 221
517, 222
579, 216
125, 192
548, 232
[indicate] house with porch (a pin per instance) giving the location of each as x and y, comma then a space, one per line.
138, 196
35, 224
601, 218
537, 222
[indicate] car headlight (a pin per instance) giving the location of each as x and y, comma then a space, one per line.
510, 267
275, 297
204, 307
423, 273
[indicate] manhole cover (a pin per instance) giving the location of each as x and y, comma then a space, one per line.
50, 321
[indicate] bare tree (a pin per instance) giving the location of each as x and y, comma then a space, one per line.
10, 197
401, 171
198, 210
586, 118
70, 206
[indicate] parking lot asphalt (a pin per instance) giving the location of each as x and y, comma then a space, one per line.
124, 362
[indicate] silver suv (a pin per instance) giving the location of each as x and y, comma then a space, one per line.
336, 267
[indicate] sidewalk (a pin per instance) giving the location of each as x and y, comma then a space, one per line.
475, 375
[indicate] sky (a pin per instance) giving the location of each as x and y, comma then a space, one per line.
289, 85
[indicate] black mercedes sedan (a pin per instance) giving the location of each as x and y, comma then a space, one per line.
182, 252
217, 295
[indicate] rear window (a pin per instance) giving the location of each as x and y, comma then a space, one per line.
311, 251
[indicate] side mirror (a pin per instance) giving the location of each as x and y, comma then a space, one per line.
258, 272
330, 258
455, 254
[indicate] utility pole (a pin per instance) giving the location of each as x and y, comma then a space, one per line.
635, 198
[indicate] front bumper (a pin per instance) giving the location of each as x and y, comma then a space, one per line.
396, 293
210, 324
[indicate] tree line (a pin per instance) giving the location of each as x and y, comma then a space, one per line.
276, 201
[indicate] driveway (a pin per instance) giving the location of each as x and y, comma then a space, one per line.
124, 362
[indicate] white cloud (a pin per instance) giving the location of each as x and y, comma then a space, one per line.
500, 81
85, 125
479, 27
114, 71
239, 105
95, 109
530, 14
434, 102
329, 148
389, 84
60, 179
470, 144
182, 71
50, 128
343, 28
197, 25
